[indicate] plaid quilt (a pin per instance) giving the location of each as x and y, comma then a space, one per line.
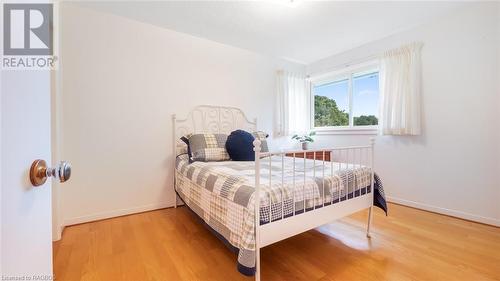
222, 193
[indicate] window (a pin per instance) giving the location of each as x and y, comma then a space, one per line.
346, 101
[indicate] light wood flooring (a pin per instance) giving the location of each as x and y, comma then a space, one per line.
171, 244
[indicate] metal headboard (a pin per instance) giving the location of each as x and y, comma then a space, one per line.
210, 119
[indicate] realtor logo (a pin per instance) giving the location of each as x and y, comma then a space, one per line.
28, 36
27, 29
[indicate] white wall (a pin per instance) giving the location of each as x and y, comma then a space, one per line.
122, 80
453, 167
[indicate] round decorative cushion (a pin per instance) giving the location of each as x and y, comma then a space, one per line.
239, 146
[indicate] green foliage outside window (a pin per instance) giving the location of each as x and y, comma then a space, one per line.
365, 120
327, 113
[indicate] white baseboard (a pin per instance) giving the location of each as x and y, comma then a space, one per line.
115, 213
58, 234
444, 211
151, 207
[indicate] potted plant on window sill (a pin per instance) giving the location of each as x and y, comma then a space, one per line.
304, 139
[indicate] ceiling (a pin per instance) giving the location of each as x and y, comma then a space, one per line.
303, 31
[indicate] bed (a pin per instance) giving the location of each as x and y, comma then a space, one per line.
296, 194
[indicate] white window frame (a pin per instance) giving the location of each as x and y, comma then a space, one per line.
346, 73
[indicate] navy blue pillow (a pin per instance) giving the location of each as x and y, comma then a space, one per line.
239, 146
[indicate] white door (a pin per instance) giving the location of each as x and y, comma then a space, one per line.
26, 215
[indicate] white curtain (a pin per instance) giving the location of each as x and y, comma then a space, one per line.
293, 104
400, 83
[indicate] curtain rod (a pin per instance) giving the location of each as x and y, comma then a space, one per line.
345, 65
365, 59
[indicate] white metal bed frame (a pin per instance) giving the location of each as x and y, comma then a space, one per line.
220, 119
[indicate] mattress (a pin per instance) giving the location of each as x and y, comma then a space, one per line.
222, 194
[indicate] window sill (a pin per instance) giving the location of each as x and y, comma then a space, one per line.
346, 131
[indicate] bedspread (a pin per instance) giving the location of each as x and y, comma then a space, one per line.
222, 194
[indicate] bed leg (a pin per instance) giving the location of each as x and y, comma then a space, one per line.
369, 224
175, 202
257, 264
256, 148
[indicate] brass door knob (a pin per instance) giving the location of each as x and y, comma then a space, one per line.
39, 172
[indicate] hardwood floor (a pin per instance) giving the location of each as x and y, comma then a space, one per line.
170, 244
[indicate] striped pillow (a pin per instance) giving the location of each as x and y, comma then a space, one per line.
208, 147
262, 136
